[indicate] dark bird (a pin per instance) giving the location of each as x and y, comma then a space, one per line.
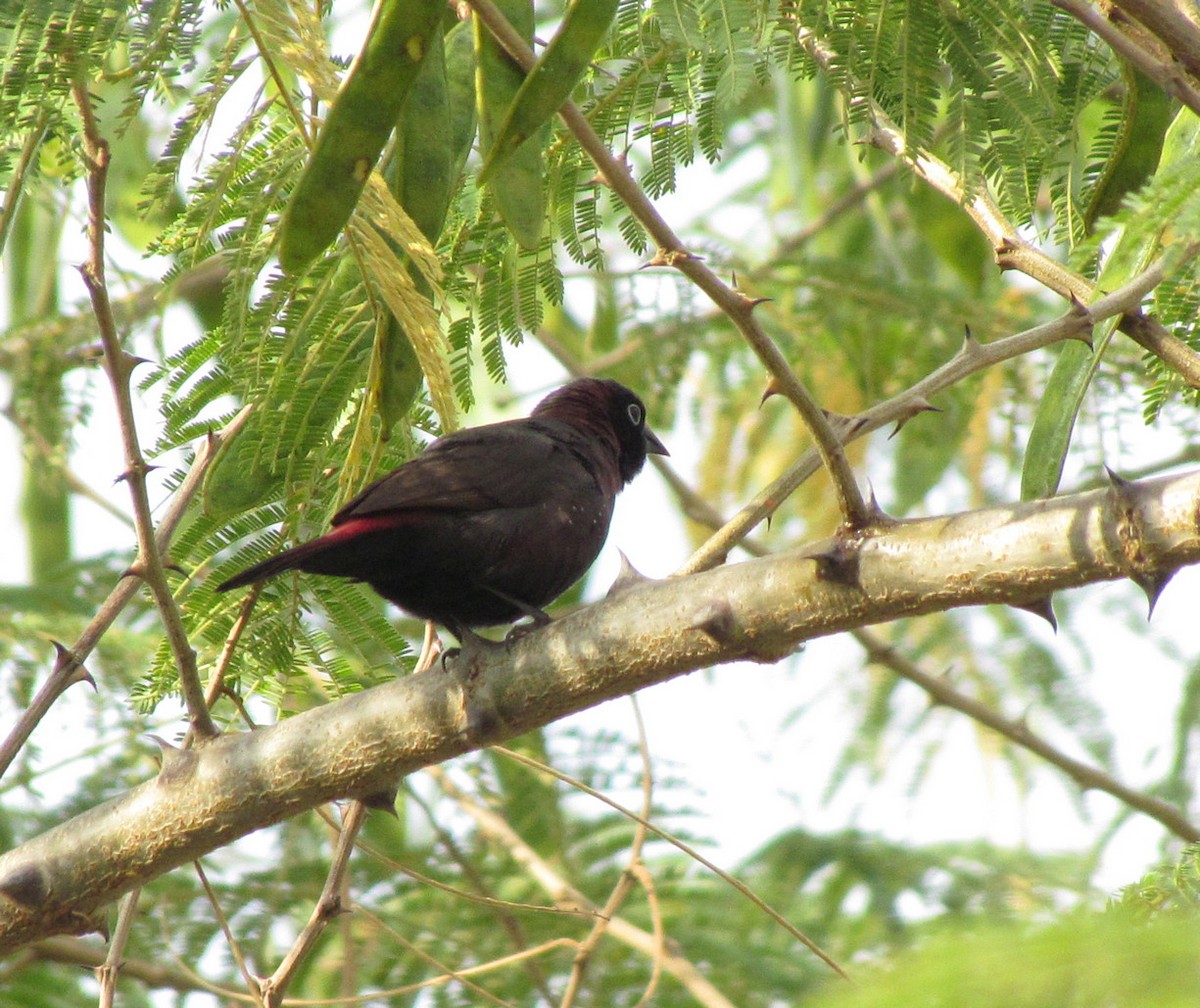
490, 523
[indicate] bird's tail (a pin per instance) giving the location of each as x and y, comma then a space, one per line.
295, 558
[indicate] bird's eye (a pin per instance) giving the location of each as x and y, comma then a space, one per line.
634, 412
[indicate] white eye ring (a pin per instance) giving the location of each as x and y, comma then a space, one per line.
634, 412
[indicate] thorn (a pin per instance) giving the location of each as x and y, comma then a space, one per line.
916, 406
845, 420
1078, 307
64, 658
716, 621
1042, 607
1153, 585
971, 347
627, 577
754, 302
176, 764
27, 887
1003, 251
1119, 483
837, 561
1081, 314
382, 801
772, 389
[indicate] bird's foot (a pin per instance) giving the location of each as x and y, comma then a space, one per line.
539, 620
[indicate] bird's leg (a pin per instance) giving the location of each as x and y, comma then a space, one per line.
540, 617
431, 647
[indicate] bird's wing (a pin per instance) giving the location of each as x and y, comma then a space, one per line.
505, 465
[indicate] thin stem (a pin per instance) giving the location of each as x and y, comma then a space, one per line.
1083, 774
495, 826
108, 972
1011, 250
330, 904
118, 364
626, 880
687, 849
1167, 76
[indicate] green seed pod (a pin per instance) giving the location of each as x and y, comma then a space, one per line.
359, 124
516, 183
552, 79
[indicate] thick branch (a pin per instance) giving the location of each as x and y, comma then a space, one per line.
760, 610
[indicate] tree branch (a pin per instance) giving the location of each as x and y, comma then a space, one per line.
1011, 250
119, 366
69, 664
974, 356
760, 610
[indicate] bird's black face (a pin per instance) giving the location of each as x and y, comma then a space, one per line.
628, 416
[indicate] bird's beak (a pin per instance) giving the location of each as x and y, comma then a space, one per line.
653, 445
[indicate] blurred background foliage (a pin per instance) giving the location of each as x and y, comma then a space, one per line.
762, 157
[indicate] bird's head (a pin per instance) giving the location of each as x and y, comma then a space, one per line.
612, 412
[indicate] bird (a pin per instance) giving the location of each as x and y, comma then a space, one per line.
490, 523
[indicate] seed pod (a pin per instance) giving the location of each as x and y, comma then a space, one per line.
434, 132
358, 125
553, 78
516, 183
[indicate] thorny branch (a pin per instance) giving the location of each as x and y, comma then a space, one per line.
69, 667
974, 356
1084, 774
119, 365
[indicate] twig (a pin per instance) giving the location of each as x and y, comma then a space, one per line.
119, 365
461, 974
1168, 22
69, 665
234, 948
1083, 774
108, 972
330, 903
508, 920
1166, 75
498, 828
687, 849
671, 252
15, 183
625, 881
